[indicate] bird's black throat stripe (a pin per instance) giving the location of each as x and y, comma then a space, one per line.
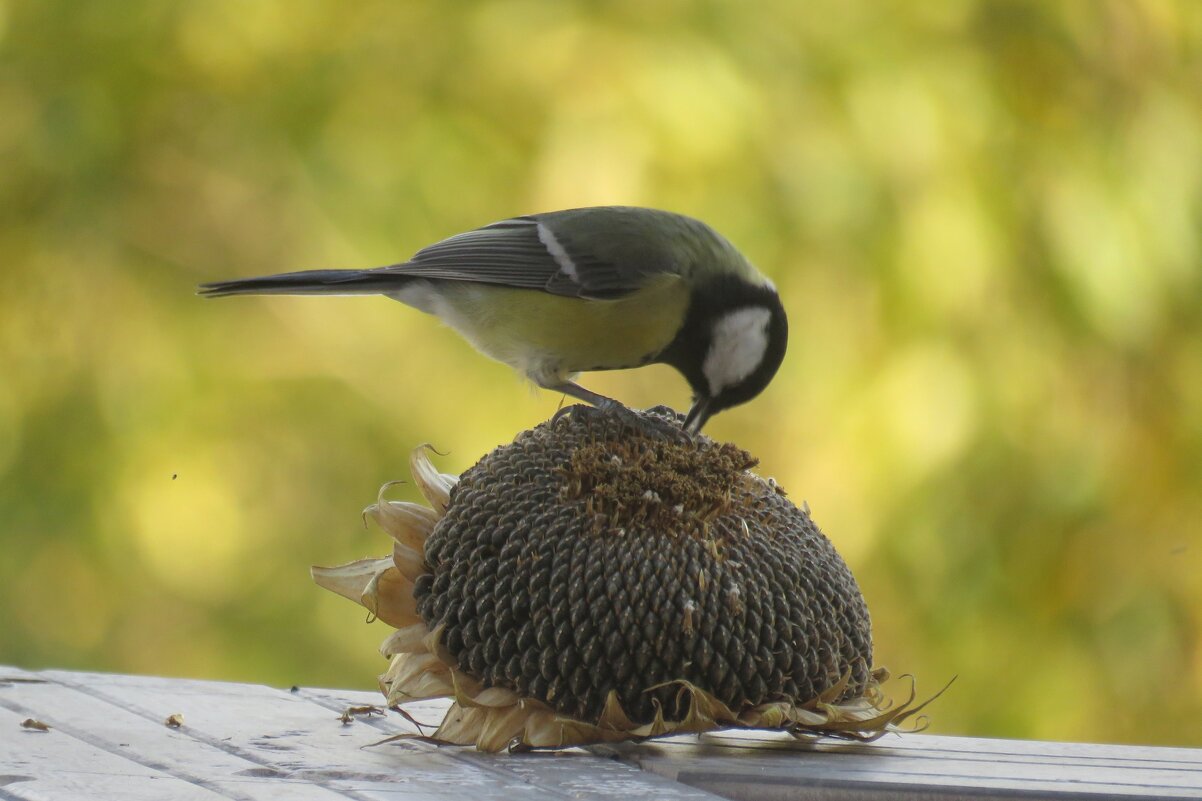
709, 302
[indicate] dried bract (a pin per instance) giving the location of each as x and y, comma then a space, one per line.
607, 577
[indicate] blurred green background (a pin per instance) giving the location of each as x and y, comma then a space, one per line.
984, 218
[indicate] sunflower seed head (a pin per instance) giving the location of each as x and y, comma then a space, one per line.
556, 576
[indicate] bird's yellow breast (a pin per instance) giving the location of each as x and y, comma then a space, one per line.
549, 337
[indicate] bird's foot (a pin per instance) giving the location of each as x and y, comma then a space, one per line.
606, 406
599, 402
610, 405
659, 422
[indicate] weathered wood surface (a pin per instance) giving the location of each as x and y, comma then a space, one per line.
763, 765
109, 739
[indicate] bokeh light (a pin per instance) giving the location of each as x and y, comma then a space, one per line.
984, 217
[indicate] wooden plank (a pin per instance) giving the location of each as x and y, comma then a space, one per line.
90, 724
575, 773
250, 742
52, 765
763, 765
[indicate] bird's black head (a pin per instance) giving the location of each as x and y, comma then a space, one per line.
730, 346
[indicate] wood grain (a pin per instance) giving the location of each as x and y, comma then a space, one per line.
108, 738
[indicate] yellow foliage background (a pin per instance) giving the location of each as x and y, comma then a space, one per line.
984, 218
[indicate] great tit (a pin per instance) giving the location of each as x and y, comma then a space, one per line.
565, 292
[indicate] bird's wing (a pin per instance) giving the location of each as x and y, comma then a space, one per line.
524, 253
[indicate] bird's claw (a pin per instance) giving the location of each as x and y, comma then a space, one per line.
602, 406
668, 422
565, 411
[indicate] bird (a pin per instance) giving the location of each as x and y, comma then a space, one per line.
565, 292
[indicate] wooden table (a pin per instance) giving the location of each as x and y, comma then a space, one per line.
108, 738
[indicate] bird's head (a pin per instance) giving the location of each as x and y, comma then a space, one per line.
730, 346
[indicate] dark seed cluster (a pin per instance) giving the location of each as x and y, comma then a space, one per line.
545, 589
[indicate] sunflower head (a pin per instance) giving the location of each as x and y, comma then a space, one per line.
607, 577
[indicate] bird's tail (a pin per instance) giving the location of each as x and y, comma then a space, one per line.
309, 282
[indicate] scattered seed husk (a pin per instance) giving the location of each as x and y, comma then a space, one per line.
348, 715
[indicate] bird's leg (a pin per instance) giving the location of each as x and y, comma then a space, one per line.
580, 393
640, 421
600, 402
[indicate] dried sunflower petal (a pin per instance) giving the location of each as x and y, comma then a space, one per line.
606, 577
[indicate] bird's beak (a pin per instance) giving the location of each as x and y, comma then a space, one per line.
698, 415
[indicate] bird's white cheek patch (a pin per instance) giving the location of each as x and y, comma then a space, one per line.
737, 346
